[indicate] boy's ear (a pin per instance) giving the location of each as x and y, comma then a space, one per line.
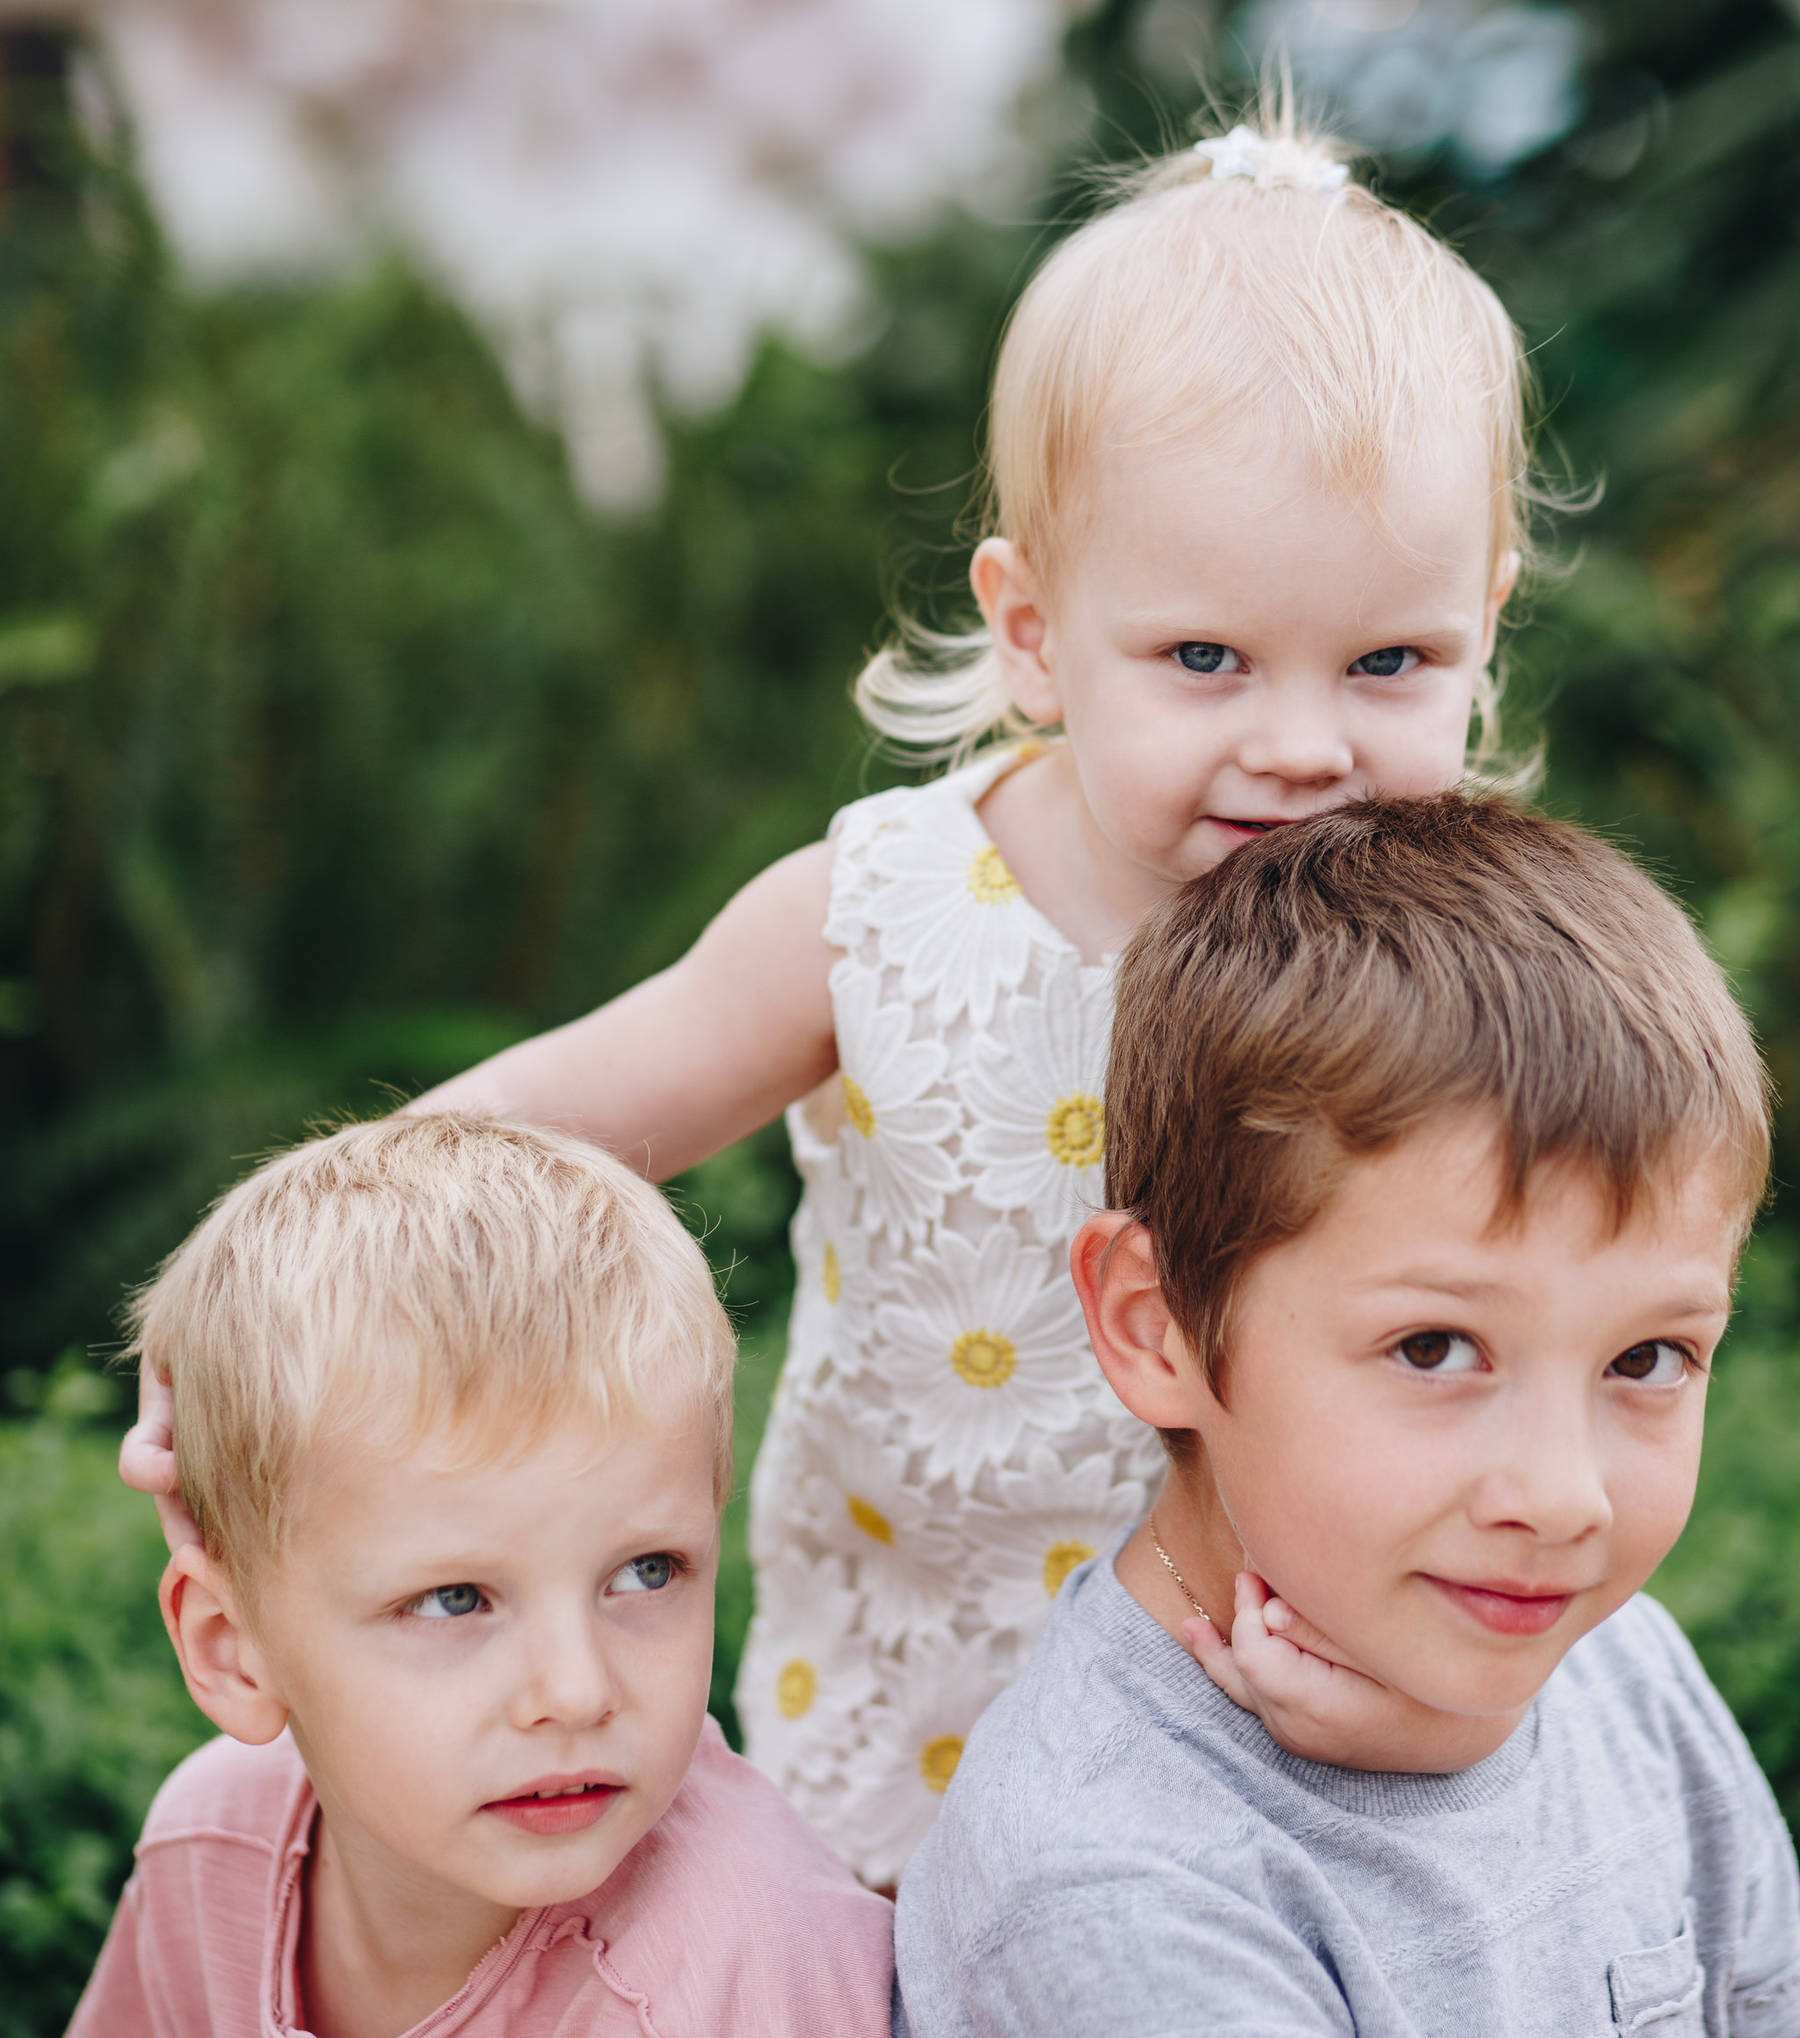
1506, 578
1136, 1339
220, 1662
1013, 607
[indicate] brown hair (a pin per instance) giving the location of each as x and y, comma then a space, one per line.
1336, 983
415, 1276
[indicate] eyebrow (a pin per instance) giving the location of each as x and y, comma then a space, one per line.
1177, 621
1431, 1282
469, 1560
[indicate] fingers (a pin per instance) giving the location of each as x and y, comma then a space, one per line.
147, 1459
1280, 1619
180, 1529
1213, 1654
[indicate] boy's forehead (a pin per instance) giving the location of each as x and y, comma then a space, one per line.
417, 1465
1446, 1183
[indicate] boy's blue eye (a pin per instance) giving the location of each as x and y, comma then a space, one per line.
1388, 663
1438, 1351
1655, 1363
643, 1574
1208, 658
448, 1602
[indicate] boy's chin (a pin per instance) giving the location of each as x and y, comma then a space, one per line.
1482, 1685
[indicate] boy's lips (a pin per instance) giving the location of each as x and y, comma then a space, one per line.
1506, 1607
558, 1804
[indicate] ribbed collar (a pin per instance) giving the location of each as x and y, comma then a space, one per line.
1181, 1691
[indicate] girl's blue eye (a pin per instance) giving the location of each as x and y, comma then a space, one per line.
1208, 658
1655, 1363
448, 1602
1438, 1351
1388, 663
643, 1574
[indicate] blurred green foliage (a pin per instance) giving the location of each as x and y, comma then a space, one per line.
338, 746
92, 1712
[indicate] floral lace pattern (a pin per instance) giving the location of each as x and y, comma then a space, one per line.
943, 1449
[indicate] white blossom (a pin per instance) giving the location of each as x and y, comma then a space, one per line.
627, 195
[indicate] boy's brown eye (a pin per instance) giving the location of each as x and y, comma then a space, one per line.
1657, 1361
1426, 1349
1439, 1351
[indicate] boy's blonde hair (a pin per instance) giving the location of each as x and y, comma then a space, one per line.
417, 1277
1192, 302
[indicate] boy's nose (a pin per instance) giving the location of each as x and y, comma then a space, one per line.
1552, 1480
566, 1680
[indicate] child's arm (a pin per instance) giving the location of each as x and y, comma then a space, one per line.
666, 1074
695, 1057
1284, 1670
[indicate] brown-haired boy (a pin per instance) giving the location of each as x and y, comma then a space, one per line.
1432, 1139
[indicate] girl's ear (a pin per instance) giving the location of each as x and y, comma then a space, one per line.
1506, 577
1137, 1341
220, 1662
1013, 607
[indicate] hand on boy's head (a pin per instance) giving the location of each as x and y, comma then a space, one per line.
147, 1459
1280, 1667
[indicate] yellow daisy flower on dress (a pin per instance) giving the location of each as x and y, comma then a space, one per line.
1048, 1520
1033, 1090
896, 1116
980, 1341
952, 916
915, 1734
805, 1671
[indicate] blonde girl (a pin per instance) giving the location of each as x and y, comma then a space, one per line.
1256, 467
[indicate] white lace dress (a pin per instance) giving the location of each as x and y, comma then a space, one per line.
942, 1449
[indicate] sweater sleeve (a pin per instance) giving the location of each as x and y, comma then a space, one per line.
116, 2002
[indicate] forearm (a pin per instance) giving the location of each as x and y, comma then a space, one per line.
694, 1057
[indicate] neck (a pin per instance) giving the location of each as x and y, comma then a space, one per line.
382, 1946
1202, 1546
1040, 824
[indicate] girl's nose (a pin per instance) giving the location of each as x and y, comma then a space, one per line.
565, 1679
1297, 736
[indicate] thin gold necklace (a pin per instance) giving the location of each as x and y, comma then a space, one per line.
1169, 1566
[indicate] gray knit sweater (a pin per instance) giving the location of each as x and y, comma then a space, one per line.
1125, 1854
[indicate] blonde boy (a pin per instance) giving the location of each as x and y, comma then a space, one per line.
452, 1413
1432, 1137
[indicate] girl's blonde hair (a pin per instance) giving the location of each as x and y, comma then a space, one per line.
1194, 299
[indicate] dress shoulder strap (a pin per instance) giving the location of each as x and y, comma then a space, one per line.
940, 807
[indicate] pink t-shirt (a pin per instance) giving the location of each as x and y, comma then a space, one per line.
728, 1917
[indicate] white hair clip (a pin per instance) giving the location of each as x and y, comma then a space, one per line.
1266, 161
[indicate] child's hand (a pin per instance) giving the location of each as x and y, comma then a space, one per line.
147, 1459
1284, 1670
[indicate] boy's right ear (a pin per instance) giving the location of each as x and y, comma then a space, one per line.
220, 1662
1014, 608
1137, 1341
